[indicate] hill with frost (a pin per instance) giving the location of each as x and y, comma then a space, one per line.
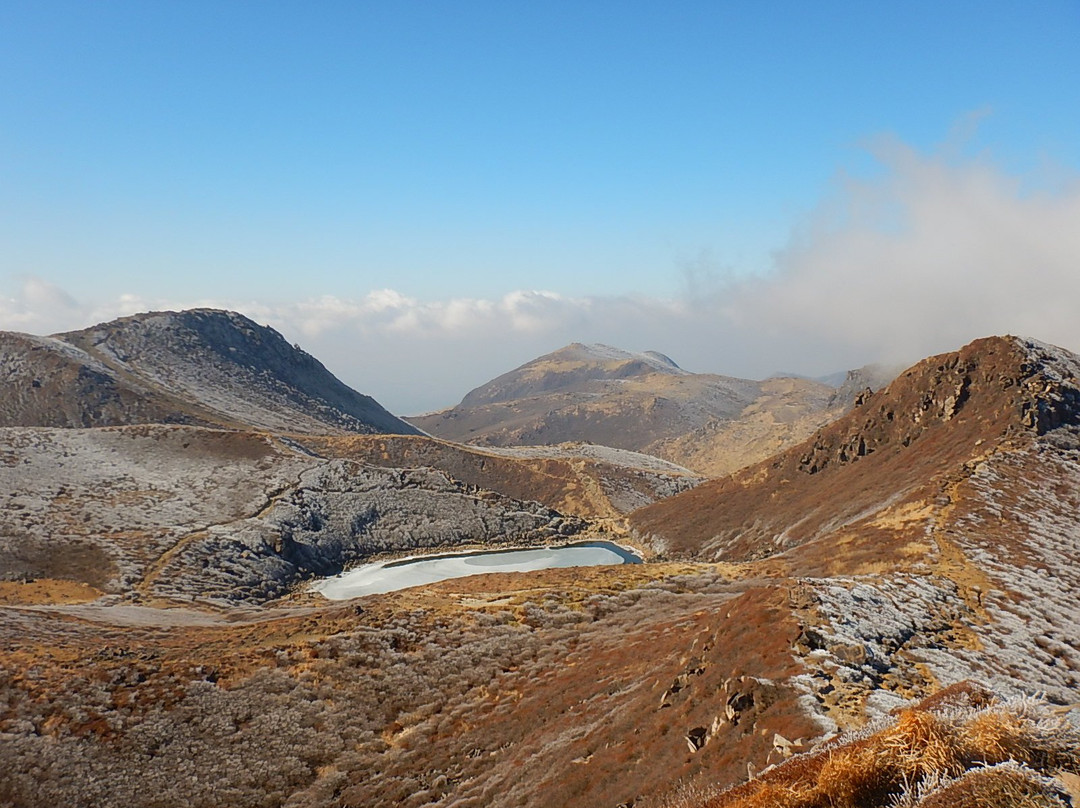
788, 637
940, 513
201, 367
642, 402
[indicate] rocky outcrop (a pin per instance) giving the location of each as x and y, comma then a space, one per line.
186, 512
1034, 382
932, 420
579, 479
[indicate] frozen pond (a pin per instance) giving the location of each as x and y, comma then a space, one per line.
371, 579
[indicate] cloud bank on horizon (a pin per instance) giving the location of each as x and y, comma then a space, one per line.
930, 253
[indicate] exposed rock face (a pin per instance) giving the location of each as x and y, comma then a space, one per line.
342, 512
855, 382
640, 402
576, 479
937, 416
204, 367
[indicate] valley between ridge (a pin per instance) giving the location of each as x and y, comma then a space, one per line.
157, 644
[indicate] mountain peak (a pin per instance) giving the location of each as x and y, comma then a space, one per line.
642, 402
200, 366
602, 354
574, 367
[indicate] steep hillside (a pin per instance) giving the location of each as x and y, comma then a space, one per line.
49, 382
921, 430
941, 514
203, 367
640, 402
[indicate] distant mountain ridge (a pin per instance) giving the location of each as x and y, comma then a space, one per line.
641, 402
201, 367
571, 369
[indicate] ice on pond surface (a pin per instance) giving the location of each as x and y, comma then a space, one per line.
373, 579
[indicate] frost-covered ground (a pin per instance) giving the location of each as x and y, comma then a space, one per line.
877, 639
127, 495
230, 365
607, 454
1029, 547
184, 512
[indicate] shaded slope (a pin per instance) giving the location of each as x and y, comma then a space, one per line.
204, 367
48, 382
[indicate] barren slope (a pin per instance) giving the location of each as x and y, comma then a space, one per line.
581, 480
913, 436
182, 512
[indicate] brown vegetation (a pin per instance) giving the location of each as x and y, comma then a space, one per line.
929, 537
962, 747
899, 446
562, 687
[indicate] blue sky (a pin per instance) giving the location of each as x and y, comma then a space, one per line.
262, 154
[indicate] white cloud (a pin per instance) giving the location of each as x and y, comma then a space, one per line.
929, 256
931, 253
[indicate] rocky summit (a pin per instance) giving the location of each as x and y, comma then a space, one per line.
880, 615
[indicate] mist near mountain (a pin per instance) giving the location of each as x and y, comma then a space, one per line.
931, 251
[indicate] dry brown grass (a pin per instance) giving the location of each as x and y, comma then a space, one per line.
957, 750
46, 591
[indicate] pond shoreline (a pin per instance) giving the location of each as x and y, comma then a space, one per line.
624, 550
